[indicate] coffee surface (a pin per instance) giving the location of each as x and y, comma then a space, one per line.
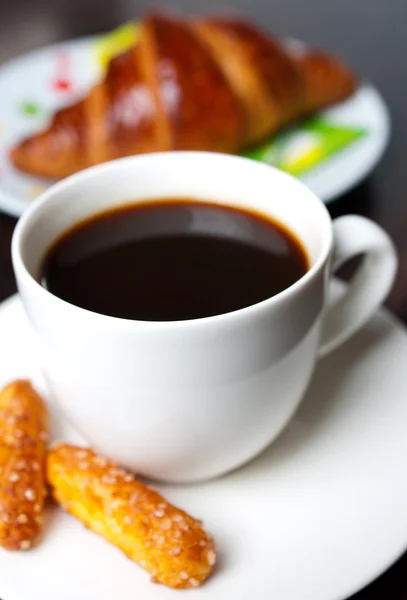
172, 259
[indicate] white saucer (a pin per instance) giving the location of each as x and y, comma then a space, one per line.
33, 86
316, 517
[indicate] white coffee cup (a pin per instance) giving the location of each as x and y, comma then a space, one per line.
188, 400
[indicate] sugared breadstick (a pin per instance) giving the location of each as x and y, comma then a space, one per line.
163, 539
23, 441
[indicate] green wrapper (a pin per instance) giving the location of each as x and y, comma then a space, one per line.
307, 145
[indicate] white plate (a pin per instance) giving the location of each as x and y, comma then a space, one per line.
317, 516
37, 81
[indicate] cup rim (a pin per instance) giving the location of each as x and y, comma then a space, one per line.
247, 312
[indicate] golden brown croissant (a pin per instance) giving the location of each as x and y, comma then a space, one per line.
201, 84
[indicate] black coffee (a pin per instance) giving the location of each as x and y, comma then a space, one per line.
173, 259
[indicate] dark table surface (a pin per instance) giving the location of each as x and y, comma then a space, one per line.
369, 34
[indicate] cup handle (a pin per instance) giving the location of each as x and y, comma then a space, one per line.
369, 286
